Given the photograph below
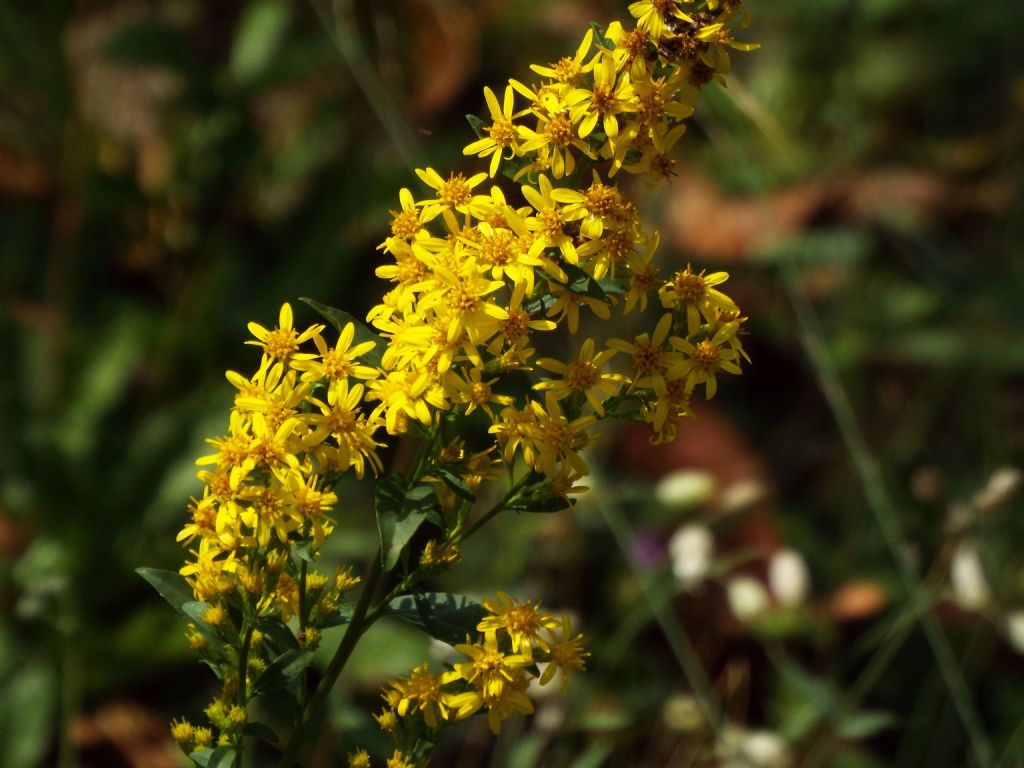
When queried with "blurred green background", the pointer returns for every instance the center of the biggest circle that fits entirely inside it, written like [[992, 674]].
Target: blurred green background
[[171, 170]]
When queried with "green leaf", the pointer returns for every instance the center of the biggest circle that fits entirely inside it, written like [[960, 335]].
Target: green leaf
[[477, 124], [279, 633], [259, 36], [537, 497], [172, 587], [339, 619], [339, 318], [284, 671], [400, 513], [221, 757], [861, 725], [582, 283], [599, 37], [539, 504], [260, 731], [442, 615], [456, 483], [194, 612], [28, 714]]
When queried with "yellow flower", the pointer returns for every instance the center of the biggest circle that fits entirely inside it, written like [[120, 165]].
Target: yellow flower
[[182, 732], [406, 222], [284, 341], [340, 362], [555, 136], [397, 760], [460, 293], [469, 387], [582, 375], [643, 276], [557, 440], [359, 759], [522, 621], [505, 254], [567, 306], [341, 418], [514, 331], [697, 294], [420, 692], [703, 360], [498, 682], [405, 395], [455, 193], [647, 351], [501, 133], [567, 70], [651, 15], [567, 654], [610, 95]]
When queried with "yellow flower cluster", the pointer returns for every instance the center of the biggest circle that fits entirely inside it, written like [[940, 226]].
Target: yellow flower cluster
[[478, 274], [519, 643]]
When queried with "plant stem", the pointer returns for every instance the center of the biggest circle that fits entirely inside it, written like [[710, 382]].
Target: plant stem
[[675, 634], [884, 512], [361, 621], [303, 610], [516, 487]]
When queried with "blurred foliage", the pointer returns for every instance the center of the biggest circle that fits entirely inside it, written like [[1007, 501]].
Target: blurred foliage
[[169, 171]]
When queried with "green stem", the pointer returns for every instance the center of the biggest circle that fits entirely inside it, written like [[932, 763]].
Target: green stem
[[885, 514], [243, 664], [497, 508], [673, 631], [361, 621], [303, 616], [70, 688]]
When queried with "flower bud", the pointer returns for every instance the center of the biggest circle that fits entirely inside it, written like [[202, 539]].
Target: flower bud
[[684, 489], [691, 549], [1015, 629], [967, 574], [747, 597], [788, 578]]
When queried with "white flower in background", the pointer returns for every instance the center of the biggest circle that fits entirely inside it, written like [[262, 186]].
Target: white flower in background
[[684, 489], [1002, 485], [740, 748], [967, 574], [682, 713], [742, 495], [1015, 629], [747, 597], [691, 550], [788, 578]]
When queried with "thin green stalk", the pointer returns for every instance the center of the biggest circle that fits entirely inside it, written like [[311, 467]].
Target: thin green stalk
[[496, 509], [70, 695], [884, 512], [678, 640], [303, 615], [334, 14], [357, 627], [869, 676], [243, 663]]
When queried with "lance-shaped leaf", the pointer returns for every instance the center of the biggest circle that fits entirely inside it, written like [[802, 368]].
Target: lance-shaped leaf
[[442, 615], [582, 283], [279, 633], [401, 510], [260, 731], [283, 672], [221, 757], [456, 482], [339, 318], [172, 587]]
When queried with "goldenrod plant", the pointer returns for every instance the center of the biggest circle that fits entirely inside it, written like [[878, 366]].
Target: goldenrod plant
[[478, 274]]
